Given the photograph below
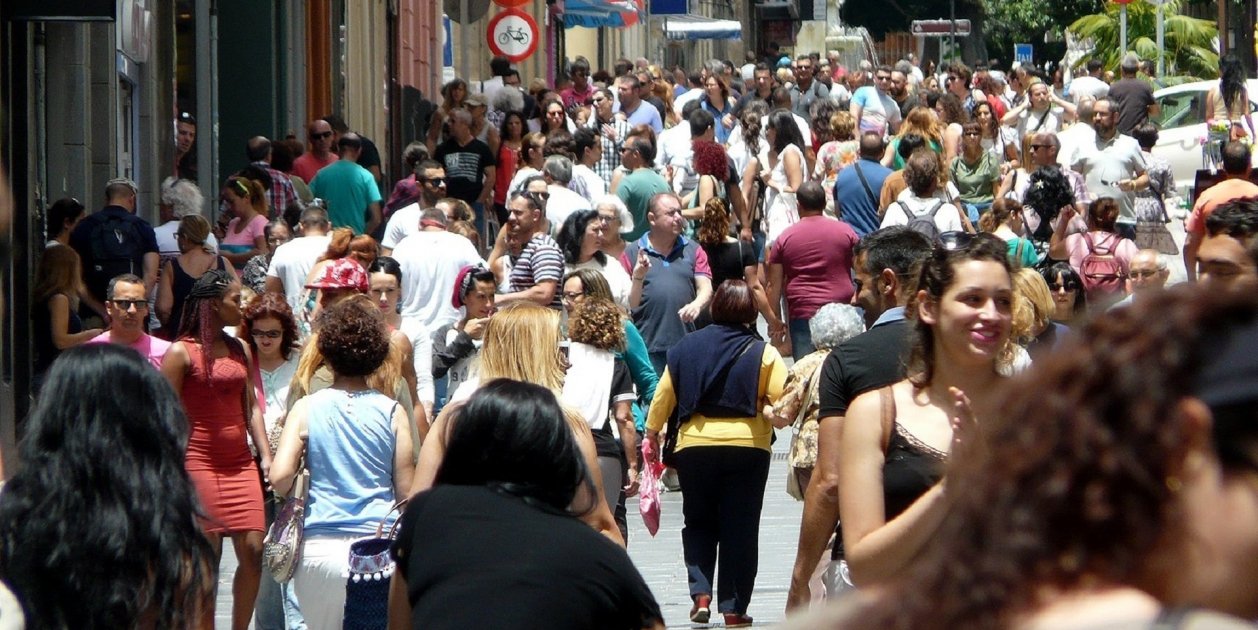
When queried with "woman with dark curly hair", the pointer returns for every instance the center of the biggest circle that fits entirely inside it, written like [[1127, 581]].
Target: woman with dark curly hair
[[1070, 305], [730, 259], [128, 549], [271, 332], [210, 371], [1115, 490], [953, 117], [708, 421], [896, 440], [581, 239], [356, 443], [1103, 285], [599, 382], [994, 137]]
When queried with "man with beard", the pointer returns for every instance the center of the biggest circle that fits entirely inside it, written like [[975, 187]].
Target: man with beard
[[900, 93], [536, 274], [1113, 166]]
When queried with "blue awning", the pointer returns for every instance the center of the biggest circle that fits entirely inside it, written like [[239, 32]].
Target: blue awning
[[599, 13], [692, 27]]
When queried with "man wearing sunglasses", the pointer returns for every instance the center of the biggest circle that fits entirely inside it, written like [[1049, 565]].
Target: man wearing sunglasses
[[320, 153], [431, 177], [128, 309], [872, 105]]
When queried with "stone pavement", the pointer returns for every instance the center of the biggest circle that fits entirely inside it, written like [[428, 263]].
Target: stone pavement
[[660, 560]]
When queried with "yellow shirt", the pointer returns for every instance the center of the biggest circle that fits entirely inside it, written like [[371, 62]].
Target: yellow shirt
[[755, 432]]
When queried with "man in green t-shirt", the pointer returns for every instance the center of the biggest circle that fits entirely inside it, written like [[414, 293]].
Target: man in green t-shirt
[[642, 183], [350, 191]]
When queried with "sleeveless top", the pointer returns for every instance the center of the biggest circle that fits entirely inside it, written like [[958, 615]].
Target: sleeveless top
[[181, 286], [349, 453], [46, 350], [910, 469], [1221, 112]]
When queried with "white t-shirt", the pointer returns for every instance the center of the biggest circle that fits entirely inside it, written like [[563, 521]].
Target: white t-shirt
[[595, 187], [562, 203], [947, 219], [617, 278], [166, 244], [403, 223], [430, 262], [677, 150], [1087, 86], [421, 341], [293, 261], [521, 176]]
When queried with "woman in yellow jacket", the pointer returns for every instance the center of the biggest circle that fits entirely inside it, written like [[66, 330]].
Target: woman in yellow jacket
[[708, 406]]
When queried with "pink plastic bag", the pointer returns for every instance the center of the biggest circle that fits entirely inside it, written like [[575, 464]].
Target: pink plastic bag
[[649, 488]]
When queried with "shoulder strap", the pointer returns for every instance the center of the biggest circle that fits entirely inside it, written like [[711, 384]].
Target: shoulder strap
[[935, 208], [908, 214], [865, 183], [1017, 252], [887, 397]]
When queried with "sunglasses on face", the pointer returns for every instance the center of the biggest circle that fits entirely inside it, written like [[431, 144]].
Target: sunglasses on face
[[1058, 286], [267, 334], [127, 305], [1036, 147], [435, 181]]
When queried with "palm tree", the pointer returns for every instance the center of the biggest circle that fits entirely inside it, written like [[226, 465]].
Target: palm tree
[[1190, 42]]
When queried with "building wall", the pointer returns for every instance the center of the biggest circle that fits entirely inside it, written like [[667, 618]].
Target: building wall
[[366, 73]]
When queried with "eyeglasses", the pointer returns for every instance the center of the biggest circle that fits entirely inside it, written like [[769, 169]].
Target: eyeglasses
[[598, 100], [320, 136], [1139, 274], [1036, 147], [435, 181], [276, 240], [882, 77], [267, 334], [607, 218], [952, 241], [127, 305]]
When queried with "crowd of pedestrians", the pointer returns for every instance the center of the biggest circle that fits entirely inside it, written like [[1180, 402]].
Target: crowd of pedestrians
[[1001, 416]]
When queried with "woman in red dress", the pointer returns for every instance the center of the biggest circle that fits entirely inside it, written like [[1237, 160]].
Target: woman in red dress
[[208, 370]]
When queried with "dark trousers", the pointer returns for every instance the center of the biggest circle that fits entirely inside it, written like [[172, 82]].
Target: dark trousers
[[722, 490]]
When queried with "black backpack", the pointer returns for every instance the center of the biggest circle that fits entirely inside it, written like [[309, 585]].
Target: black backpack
[[116, 245], [923, 223]]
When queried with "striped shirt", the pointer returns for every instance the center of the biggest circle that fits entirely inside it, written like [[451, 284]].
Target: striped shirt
[[282, 196], [540, 261]]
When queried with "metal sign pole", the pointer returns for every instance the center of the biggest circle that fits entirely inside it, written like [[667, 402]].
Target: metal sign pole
[[1122, 28]]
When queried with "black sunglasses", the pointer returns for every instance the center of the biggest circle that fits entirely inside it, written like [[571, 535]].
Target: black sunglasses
[[127, 304], [435, 181]]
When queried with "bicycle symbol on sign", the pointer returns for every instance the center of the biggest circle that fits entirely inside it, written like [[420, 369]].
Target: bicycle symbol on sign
[[518, 35]]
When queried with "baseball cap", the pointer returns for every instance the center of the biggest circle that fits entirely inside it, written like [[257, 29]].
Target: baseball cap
[[342, 273]]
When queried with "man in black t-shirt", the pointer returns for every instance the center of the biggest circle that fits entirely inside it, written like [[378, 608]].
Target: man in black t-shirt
[[1132, 96], [885, 262], [469, 165]]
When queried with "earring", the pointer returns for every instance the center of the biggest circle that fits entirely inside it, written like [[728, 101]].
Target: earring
[[1174, 484]]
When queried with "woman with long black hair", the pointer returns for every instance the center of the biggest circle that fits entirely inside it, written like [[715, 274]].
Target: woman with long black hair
[[785, 171], [511, 474], [1229, 100], [125, 550]]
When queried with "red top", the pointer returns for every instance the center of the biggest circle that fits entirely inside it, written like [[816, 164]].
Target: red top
[[816, 257]]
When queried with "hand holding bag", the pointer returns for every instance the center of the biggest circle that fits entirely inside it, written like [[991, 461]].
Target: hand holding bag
[[371, 566], [281, 549], [649, 488]]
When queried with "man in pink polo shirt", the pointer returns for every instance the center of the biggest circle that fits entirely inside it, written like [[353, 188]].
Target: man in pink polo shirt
[[1235, 185], [127, 308]]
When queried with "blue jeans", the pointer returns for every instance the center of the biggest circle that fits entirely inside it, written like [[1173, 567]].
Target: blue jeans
[[976, 211], [801, 338]]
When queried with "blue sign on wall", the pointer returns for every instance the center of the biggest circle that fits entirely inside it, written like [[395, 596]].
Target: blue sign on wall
[[670, 7], [447, 51], [1023, 53]]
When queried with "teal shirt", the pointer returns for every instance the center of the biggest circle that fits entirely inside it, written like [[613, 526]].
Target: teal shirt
[[1022, 253], [348, 190], [636, 190], [642, 372]]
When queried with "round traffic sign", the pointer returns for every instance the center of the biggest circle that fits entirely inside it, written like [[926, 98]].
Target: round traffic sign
[[513, 34]]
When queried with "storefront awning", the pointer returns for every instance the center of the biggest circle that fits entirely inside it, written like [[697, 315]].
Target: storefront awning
[[692, 27], [600, 13]]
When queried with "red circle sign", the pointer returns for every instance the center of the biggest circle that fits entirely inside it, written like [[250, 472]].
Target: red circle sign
[[513, 34]]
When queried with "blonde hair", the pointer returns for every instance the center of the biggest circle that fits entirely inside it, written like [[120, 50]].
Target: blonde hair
[[59, 271], [522, 344], [194, 229], [1032, 304]]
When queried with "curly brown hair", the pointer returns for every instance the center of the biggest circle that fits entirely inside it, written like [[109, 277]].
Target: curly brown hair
[[271, 305], [715, 223], [1071, 488], [353, 338], [599, 323]]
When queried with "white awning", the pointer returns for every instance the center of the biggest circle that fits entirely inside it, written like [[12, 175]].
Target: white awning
[[689, 27]]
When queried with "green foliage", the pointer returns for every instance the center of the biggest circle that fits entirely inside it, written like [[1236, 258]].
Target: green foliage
[[1189, 41], [1009, 22]]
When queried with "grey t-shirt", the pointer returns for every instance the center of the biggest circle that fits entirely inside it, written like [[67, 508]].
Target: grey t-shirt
[[1104, 163]]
